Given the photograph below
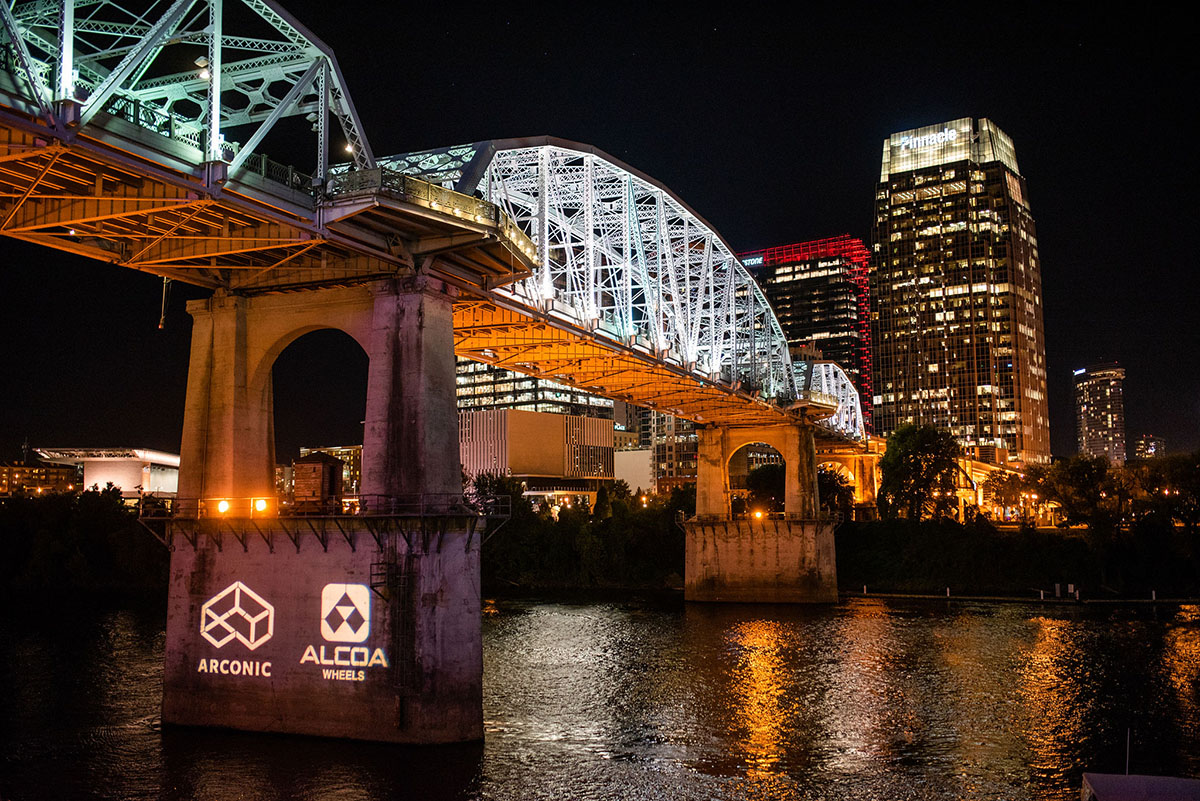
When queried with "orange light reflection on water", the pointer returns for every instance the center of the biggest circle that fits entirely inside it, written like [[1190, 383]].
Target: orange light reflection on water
[[1181, 662], [1050, 690], [758, 685]]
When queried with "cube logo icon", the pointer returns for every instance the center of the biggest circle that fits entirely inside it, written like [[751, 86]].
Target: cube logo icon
[[237, 613], [345, 612]]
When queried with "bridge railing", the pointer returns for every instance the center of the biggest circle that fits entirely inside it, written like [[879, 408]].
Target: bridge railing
[[269, 507], [438, 198]]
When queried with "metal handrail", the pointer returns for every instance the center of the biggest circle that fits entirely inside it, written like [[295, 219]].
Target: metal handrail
[[439, 198], [267, 507]]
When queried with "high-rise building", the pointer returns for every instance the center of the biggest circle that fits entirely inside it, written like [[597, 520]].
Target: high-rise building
[[1148, 446], [819, 291], [676, 448], [956, 291], [484, 386], [1100, 411]]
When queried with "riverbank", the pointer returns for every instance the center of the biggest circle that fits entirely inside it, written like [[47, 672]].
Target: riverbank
[[86, 543], [91, 543], [924, 558], [1049, 600]]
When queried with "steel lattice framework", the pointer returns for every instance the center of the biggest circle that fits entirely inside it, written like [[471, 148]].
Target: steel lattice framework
[[828, 378], [623, 256], [125, 60], [117, 122]]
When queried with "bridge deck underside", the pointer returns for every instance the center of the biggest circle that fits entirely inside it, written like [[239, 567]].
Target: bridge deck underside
[[105, 203], [525, 343]]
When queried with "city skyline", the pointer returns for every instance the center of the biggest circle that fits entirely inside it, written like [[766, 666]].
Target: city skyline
[[760, 130]]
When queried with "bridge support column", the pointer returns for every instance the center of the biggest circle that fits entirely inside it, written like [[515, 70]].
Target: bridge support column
[[410, 443], [788, 560], [228, 448], [364, 626], [865, 484]]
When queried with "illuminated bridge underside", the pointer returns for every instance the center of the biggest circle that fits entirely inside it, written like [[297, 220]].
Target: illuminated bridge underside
[[486, 333], [108, 150], [91, 198]]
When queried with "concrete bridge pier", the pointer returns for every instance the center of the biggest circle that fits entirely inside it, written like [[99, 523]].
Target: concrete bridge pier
[[769, 560], [364, 626]]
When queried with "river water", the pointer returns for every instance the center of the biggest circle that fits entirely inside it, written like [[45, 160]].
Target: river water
[[652, 698]]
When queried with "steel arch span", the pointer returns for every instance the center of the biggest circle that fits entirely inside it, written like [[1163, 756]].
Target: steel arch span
[[828, 378], [623, 256]]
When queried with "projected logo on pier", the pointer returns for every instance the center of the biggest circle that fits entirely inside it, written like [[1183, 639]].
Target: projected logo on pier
[[237, 613], [345, 612], [345, 617]]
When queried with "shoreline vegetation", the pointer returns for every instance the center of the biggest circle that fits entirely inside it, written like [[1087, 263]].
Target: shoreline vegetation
[[91, 543]]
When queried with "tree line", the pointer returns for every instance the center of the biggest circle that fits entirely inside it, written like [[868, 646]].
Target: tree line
[[920, 469], [81, 541]]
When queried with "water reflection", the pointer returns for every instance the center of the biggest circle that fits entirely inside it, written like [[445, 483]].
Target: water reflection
[[1181, 663], [858, 699], [759, 679], [1050, 688], [219, 765], [651, 698]]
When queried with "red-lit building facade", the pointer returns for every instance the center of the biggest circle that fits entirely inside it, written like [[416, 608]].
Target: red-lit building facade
[[820, 293]]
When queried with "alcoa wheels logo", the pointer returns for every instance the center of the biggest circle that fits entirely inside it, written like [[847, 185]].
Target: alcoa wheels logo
[[237, 612], [345, 612], [345, 618]]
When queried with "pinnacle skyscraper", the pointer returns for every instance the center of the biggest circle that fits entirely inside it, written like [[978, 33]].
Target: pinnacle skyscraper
[[956, 292]]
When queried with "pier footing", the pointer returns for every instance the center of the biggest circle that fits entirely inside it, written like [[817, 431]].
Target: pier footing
[[760, 561], [366, 629]]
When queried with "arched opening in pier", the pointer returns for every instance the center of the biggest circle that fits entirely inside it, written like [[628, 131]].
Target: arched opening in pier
[[319, 398], [836, 488], [756, 480]]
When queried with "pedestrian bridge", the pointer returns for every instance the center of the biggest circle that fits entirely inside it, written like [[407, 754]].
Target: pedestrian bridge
[[145, 144]]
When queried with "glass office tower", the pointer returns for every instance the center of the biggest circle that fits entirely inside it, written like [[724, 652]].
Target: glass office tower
[[819, 292], [956, 292]]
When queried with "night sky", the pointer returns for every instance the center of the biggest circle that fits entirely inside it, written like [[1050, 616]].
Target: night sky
[[770, 125]]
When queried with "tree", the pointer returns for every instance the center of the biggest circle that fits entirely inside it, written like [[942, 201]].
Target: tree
[[1086, 491], [682, 499], [918, 473], [766, 486], [1169, 488], [487, 488], [603, 508], [835, 492], [1024, 492]]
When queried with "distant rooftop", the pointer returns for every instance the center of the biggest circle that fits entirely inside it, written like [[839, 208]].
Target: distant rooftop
[[108, 454]]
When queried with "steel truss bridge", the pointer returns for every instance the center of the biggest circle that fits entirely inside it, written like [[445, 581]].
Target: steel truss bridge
[[136, 136]]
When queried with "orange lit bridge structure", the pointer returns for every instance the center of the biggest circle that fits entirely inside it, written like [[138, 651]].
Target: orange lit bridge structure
[[139, 137]]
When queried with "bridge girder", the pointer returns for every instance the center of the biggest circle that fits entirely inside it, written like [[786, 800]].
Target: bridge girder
[[85, 196], [79, 59], [540, 345]]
